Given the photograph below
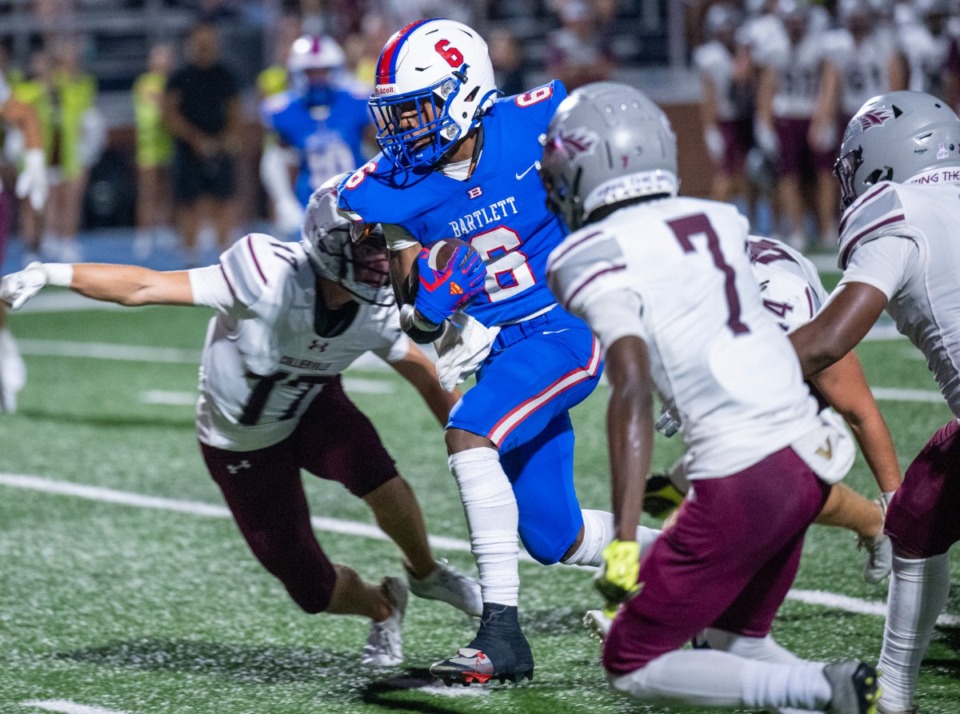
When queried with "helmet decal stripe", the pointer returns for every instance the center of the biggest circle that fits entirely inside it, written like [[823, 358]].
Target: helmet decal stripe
[[387, 64]]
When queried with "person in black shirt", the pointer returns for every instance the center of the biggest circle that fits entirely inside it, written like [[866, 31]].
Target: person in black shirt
[[201, 108]]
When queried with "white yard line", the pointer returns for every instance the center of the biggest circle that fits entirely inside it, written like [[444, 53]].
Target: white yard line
[[137, 353], [65, 707], [892, 394], [356, 385], [106, 495]]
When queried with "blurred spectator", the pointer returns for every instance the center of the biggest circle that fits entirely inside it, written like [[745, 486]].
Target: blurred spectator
[[319, 123], [79, 137], [34, 88], [925, 45], [273, 79], [866, 63], [154, 151], [796, 123], [577, 52], [726, 108], [201, 108], [507, 59], [32, 185], [376, 31]]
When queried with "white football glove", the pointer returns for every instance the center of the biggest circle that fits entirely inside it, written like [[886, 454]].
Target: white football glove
[[32, 181], [766, 139], [714, 141], [17, 288], [462, 349]]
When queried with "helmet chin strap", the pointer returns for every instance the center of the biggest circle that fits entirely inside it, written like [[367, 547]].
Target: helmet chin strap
[[477, 135]]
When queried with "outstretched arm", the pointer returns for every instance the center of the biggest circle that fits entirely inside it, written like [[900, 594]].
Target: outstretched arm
[[123, 284], [417, 369], [845, 387]]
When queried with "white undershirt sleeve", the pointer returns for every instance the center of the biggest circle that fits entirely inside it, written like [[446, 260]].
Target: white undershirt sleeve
[[398, 237], [210, 287], [886, 263], [615, 314]]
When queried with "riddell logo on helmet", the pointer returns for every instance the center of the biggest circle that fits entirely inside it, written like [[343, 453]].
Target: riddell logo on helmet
[[381, 89], [875, 117]]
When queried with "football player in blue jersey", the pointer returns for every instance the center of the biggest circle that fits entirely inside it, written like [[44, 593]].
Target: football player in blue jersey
[[460, 162], [318, 124]]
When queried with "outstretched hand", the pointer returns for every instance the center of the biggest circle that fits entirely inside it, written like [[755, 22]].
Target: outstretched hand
[[17, 288]]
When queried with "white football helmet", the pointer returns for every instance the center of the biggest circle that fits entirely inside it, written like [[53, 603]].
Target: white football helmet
[[437, 76], [361, 269], [607, 143], [314, 52]]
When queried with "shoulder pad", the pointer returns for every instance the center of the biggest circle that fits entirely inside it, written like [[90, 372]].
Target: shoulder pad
[[587, 263], [790, 300], [877, 212], [256, 263], [542, 100], [370, 193]]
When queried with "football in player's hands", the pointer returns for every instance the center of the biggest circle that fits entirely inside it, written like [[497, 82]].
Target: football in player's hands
[[444, 277]]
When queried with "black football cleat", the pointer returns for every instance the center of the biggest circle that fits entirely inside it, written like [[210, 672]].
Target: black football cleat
[[661, 497], [499, 651]]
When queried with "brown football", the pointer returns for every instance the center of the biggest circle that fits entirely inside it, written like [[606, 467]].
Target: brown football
[[445, 248]]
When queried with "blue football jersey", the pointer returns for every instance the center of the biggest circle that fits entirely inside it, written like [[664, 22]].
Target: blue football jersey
[[328, 137], [500, 210]]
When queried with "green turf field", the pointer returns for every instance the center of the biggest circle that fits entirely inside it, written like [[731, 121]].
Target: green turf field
[[133, 597]]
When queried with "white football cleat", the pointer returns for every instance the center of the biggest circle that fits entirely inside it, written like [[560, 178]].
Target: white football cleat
[[13, 372], [384, 646], [597, 623], [449, 585]]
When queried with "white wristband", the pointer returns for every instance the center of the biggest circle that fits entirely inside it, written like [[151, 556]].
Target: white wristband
[[59, 274]]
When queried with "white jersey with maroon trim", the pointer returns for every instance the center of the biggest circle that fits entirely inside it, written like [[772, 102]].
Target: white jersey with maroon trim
[[792, 294], [685, 286], [799, 69], [714, 60], [864, 69], [790, 286], [263, 362], [925, 56], [903, 240]]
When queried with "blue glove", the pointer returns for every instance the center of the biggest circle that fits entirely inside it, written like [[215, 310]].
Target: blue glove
[[443, 291]]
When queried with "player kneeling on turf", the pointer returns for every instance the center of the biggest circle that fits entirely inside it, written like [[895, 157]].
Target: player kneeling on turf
[[291, 317], [667, 287]]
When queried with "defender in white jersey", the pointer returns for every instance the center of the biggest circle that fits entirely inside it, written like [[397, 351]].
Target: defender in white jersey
[[665, 283], [899, 171], [32, 183], [291, 317], [792, 293]]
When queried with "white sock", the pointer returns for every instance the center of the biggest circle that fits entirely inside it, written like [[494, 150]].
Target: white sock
[[709, 678], [764, 649], [598, 533], [918, 593], [493, 519]]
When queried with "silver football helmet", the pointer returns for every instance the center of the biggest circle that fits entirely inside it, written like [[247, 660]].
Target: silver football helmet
[[895, 137], [607, 143], [326, 236]]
